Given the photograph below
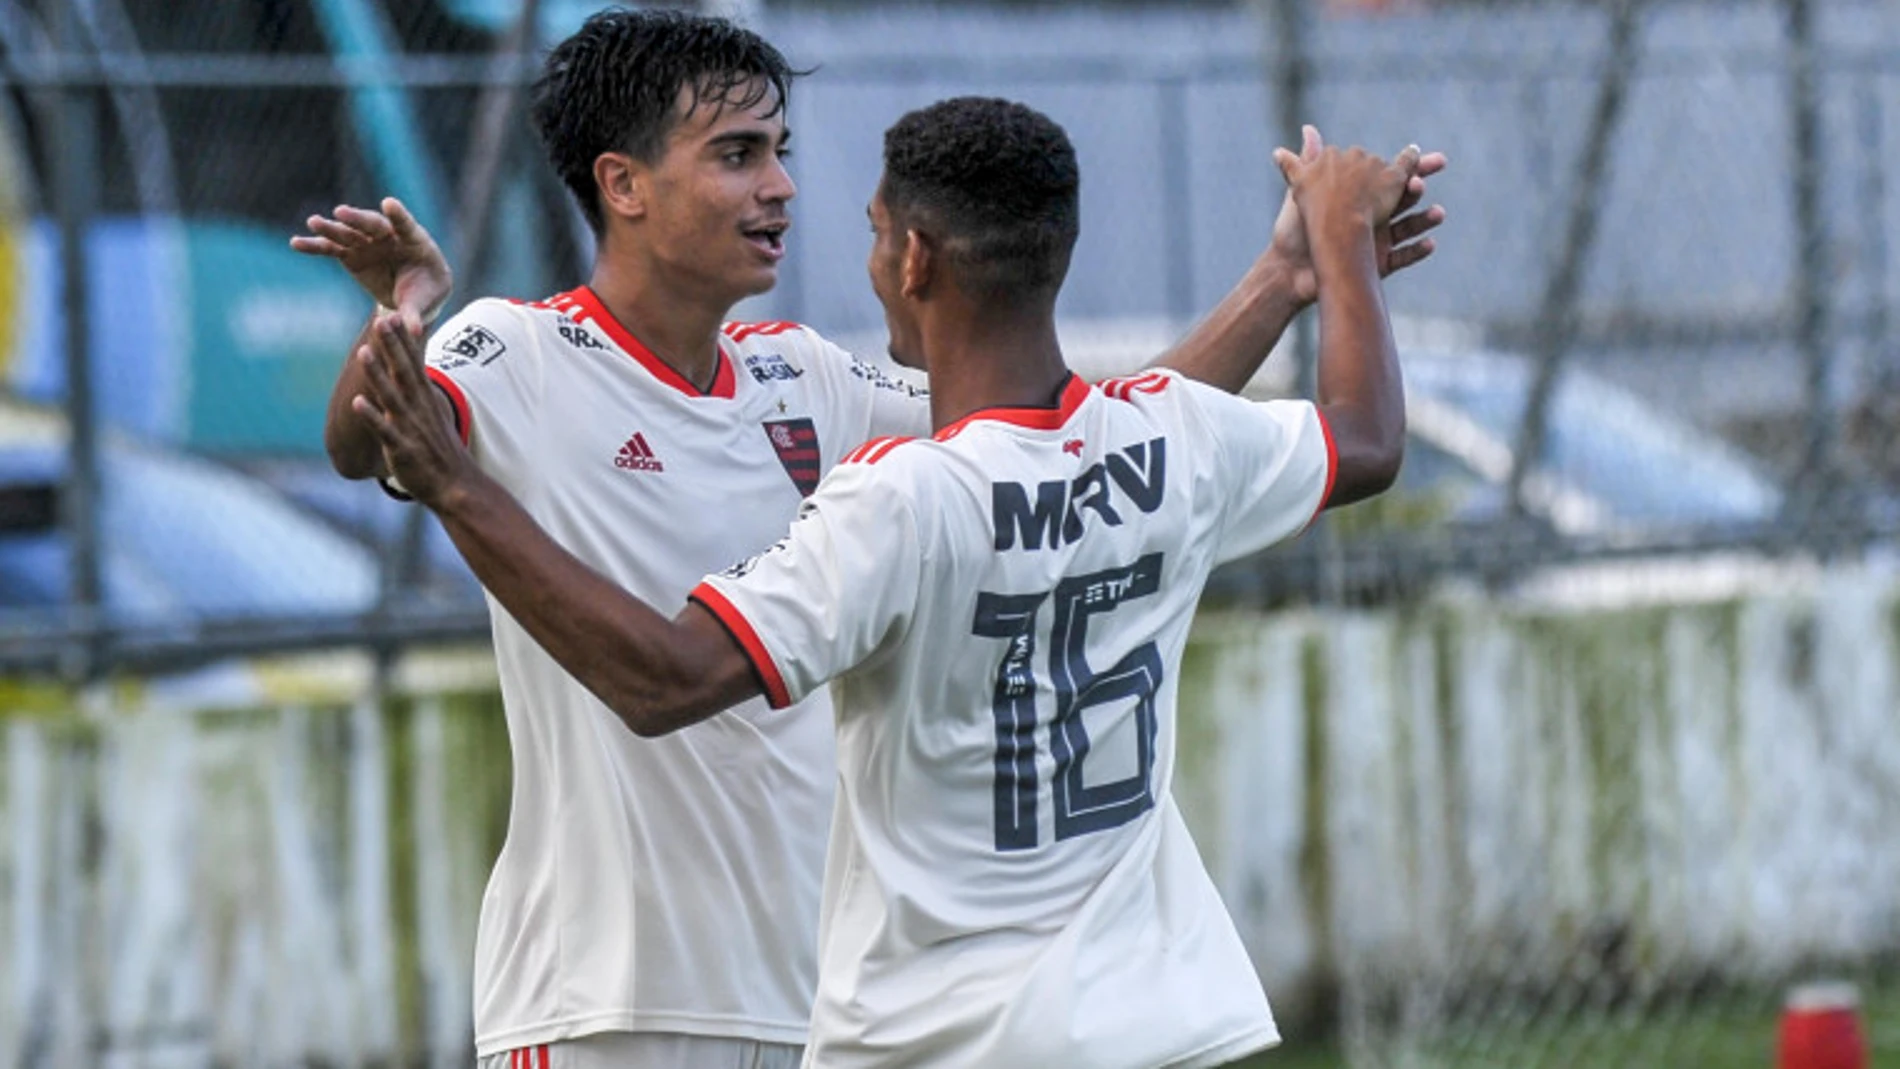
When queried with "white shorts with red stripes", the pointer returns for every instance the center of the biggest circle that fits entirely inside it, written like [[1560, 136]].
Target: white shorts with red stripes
[[648, 1050]]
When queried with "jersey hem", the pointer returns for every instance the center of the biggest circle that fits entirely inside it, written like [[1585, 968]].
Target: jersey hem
[[1228, 1050], [458, 402], [1332, 464], [691, 1024]]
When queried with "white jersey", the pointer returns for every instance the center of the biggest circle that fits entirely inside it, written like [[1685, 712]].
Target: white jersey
[[1004, 607], [664, 884]]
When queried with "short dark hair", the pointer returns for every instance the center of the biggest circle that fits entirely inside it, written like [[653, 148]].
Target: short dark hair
[[999, 181], [614, 84]]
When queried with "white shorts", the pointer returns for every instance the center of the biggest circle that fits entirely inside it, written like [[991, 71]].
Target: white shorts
[[649, 1050]]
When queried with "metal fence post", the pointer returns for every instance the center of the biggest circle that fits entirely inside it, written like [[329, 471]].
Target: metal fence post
[[1290, 61], [1556, 323], [73, 134], [1815, 487]]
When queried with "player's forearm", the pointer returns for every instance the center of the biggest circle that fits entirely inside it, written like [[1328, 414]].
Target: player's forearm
[[1360, 389], [351, 443], [1225, 349], [654, 673]]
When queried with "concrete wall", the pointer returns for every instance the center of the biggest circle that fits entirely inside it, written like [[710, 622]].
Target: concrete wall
[[1411, 801]]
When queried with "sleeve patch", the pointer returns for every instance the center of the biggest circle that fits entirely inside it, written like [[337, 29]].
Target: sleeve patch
[[458, 402], [473, 344]]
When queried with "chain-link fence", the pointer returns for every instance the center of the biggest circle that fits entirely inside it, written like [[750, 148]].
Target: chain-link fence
[[1652, 406], [1656, 325]]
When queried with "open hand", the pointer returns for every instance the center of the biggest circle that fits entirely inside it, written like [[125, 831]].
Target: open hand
[[1400, 241], [388, 253]]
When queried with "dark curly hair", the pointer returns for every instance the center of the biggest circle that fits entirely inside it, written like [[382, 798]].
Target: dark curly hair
[[613, 87], [998, 182]]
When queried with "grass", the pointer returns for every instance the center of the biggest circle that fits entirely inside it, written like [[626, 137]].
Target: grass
[[1736, 1032], [1305, 1056]]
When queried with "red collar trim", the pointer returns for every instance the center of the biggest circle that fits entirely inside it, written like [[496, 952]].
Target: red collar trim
[[1074, 392], [589, 306]]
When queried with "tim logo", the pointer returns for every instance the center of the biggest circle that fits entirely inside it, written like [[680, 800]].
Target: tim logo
[[637, 455], [475, 344], [796, 443], [767, 367]]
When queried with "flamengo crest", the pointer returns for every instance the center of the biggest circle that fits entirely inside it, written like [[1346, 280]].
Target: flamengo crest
[[796, 443]]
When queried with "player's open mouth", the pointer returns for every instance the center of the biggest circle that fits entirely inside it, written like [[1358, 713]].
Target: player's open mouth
[[770, 238]]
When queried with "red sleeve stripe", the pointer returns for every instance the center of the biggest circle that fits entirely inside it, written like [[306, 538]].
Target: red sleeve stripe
[[741, 631], [458, 401], [858, 454], [742, 331], [1332, 464], [874, 450], [1150, 382], [883, 450]]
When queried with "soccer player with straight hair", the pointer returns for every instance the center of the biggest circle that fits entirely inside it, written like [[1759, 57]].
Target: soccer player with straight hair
[[1000, 608]]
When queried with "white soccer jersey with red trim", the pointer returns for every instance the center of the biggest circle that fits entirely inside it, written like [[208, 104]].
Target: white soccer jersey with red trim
[[1004, 608], [653, 884]]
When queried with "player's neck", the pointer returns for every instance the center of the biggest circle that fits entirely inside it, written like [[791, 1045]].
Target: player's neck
[[992, 360], [680, 331]]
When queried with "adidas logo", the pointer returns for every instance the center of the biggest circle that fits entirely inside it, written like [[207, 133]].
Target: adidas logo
[[636, 455]]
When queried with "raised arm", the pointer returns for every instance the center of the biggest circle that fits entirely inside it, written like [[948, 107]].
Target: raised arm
[[1225, 349], [656, 674], [1346, 197], [397, 263]]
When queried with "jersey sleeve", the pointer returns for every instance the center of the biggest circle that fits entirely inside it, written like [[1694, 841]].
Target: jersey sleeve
[[484, 361], [868, 401], [1275, 464], [841, 586]]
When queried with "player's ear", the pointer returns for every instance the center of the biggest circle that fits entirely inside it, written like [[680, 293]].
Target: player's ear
[[622, 183], [922, 260]]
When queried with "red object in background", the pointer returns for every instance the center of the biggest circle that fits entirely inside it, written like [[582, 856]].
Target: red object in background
[[1820, 1029]]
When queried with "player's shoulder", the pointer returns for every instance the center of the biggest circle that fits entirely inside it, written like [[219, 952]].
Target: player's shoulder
[[920, 470], [898, 465], [775, 351], [870, 481], [740, 332], [1145, 384], [769, 349], [1159, 395], [512, 309], [490, 328], [507, 315], [784, 340], [876, 450], [1167, 395], [572, 319], [485, 330]]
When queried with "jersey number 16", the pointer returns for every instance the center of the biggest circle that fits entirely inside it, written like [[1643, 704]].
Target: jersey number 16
[[1079, 808]]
